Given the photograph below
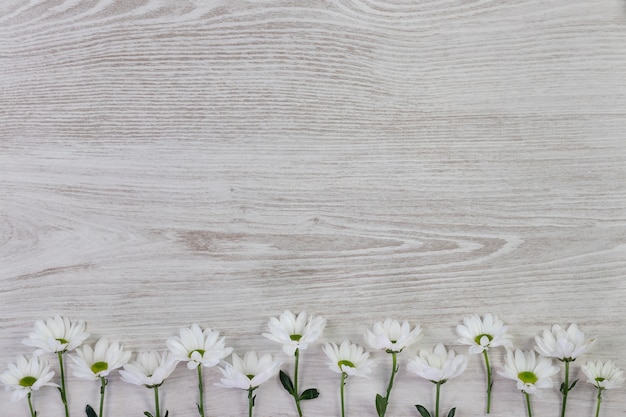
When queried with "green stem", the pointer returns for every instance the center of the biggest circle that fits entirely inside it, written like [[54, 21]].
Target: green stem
[[489, 382], [296, 394], [599, 401], [565, 388], [343, 383], [63, 390], [156, 400], [30, 405], [250, 401], [530, 413], [394, 370], [201, 391], [103, 382], [437, 398]]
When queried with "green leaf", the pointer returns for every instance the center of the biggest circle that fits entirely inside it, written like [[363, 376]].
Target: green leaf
[[573, 385], [451, 413], [423, 411], [562, 389], [167, 413], [381, 405], [90, 412], [309, 394], [147, 414], [287, 384]]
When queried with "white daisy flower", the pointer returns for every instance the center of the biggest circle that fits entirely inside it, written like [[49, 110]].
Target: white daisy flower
[[198, 347], [295, 332], [249, 372], [391, 336], [565, 345], [349, 359], [56, 335], [530, 373], [149, 369], [27, 375], [439, 365], [603, 375], [482, 334], [99, 362]]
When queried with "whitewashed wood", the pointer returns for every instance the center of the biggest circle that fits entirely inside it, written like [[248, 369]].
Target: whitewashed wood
[[167, 162]]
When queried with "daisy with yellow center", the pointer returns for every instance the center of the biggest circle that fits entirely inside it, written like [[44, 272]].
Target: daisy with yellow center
[[25, 376], [603, 375]]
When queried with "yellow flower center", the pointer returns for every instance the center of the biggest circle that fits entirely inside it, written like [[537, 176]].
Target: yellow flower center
[[527, 377], [480, 336], [250, 376], [99, 367], [62, 341], [28, 381], [345, 362], [600, 379], [295, 337], [200, 351]]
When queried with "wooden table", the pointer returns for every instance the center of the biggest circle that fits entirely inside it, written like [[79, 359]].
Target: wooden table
[[164, 162]]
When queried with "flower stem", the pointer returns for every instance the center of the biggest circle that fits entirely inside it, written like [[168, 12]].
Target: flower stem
[[296, 394], [530, 413], [437, 399], [30, 405], [565, 389], [489, 382], [103, 382], [201, 391], [156, 401], [250, 401], [343, 383], [599, 401], [63, 391], [394, 370]]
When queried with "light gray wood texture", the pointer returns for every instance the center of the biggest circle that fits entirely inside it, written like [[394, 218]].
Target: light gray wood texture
[[164, 162]]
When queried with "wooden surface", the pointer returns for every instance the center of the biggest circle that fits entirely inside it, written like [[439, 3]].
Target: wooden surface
[[164, 162]]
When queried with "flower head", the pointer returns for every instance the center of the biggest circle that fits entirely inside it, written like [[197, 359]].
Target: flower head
[[439, 365], [348, 358], [249, 372], [392, 336], [565, 345], [55, 335], [149, 369], [295, 332], [99, 362], [198, 347], [530, 372], [483, 334], [603, 375], [27, 375]]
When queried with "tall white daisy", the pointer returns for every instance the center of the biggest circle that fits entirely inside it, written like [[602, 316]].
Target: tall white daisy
[[565, 345], [603, 375], [481, 335], [295, 333], [199, 348], [150, 369], [348, 359], [392, 337], [530, 373], [248, 373]]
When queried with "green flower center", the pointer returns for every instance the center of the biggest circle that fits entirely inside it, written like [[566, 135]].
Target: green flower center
[[600, 379], [527, 377], [28, 381], [295, 337], [99, 367], [200, 351], [250, 376], [345, 362], [480, 336], [62, 341]]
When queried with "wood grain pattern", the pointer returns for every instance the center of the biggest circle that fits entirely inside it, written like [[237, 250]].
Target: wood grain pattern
[[166, 162]]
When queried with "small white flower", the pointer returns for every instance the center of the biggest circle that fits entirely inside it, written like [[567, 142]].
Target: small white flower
[[565, 345], [55, 335], [99, 362], [250, 372], [348, 358], [438, 366], [603, 375], [483, 334], [198, 347], [149, 369], [27, 375], [392, 336], [295, 332], [530, 372]]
